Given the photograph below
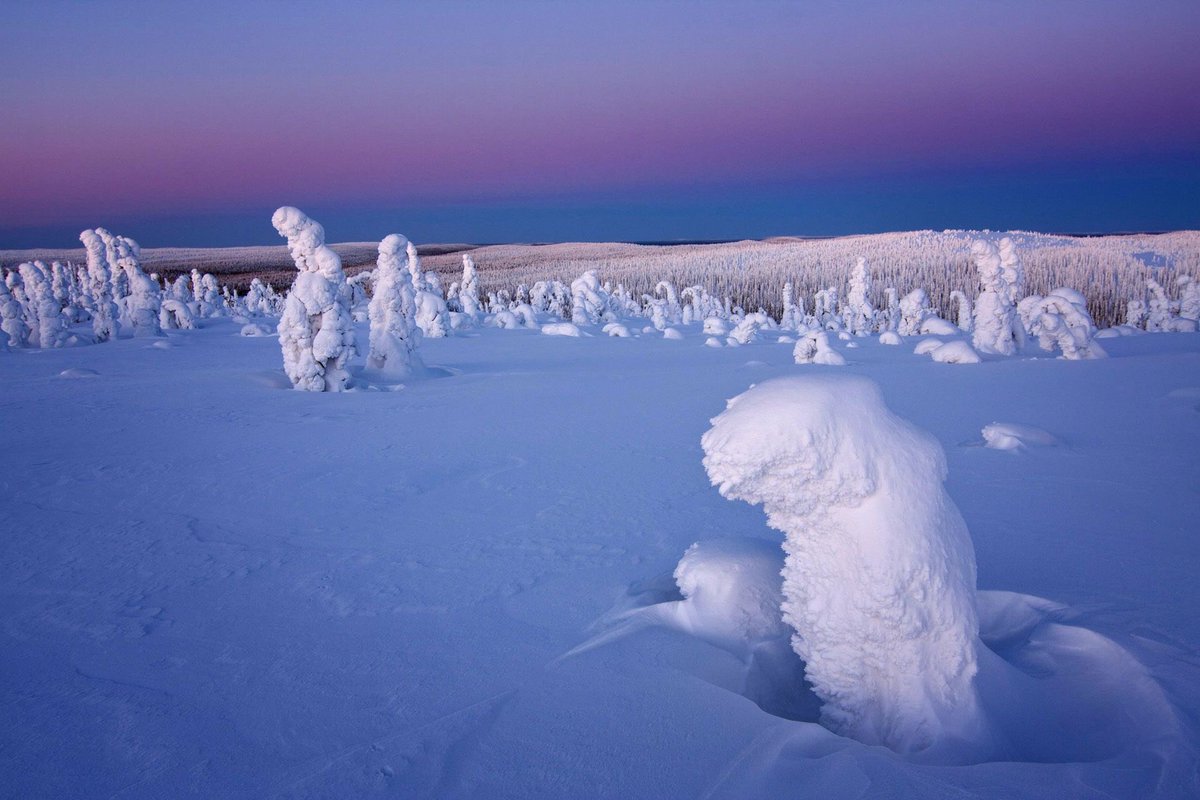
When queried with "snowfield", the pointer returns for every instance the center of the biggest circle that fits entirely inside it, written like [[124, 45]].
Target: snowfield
[[488, 584]]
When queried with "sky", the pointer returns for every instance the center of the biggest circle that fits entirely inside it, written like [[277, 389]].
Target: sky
[[188, 123]]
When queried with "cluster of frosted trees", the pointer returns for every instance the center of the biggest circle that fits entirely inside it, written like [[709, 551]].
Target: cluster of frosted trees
[[56, 305], [1109, 270]]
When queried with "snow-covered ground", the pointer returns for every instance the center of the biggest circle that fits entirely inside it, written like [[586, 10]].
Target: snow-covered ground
[[214, 586]]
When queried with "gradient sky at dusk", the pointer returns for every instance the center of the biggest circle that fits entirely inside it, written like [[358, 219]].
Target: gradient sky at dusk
[[188, 123]]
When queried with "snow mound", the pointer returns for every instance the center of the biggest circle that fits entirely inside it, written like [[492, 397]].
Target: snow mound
[[879, 582], [732, 593], [785, 339], [561, 329], [926, 346], [1011, 436], [890, 338], [617, 329], [713, 341], [673, 334], [78, 372], [936, 326], [955, 353], [253, 329]]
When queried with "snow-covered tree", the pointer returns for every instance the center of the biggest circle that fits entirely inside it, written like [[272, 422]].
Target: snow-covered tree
[[12, 318], [105, 315], [316, 331], [792, 318], [1158, 316], [860, 313], [996, 325], [44, 315], [1189, 298], [144, 300], [966, 315], [914, 310], [879, 575], [393, 312], [1061, 321], [588, 302], [468, 289]]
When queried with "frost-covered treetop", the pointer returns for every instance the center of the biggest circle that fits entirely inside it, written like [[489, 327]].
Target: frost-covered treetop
[[306, 242]]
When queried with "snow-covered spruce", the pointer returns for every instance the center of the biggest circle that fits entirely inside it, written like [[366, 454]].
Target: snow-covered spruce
[[12, 319], [588, 301], [860, 314], [879, 582], [468, 290], [105, 315], [393, 310], [433, 316], [48, 327], [997, 330], [1061, 321], [316, 331]]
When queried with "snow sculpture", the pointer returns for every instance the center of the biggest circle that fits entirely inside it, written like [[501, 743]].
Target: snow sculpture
[[316, 331], [393, 312], [996, 328], [879, 578], [860, 314], [813, 348]]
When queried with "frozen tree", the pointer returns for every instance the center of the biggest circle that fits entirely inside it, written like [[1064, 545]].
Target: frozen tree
[[996, 326], [965, 313], [890, 318], [879, 575], [825, 307], [588, 303], [672, 310], [1158, 316], [1136, 314], [144, 301], [175, 314], [393, 312], [44, 316], [792, 318], [1061, 321], [316, 331], [914, 310], [860, 314], [814, 348], [105, 315], [12, 318], [1189, 298], [468, 290]]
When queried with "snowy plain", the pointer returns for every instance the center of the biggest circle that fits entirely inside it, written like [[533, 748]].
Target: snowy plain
[[214, 586]]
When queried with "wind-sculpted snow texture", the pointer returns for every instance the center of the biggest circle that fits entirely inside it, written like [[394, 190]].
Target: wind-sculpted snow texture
[[879, 582]]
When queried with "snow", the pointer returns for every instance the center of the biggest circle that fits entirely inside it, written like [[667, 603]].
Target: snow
[[958, 352], [879, 581], [217, 587], [1013, 436]]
